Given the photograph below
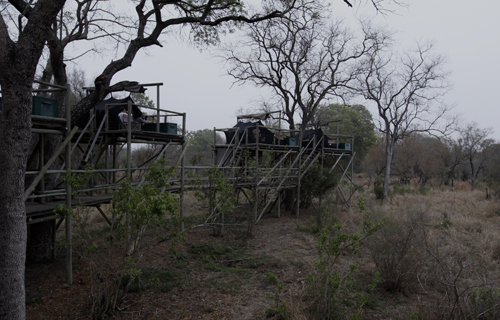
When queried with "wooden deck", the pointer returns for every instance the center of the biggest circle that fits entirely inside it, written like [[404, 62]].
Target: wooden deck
[[143, 136], [37, 212], [283, 148]]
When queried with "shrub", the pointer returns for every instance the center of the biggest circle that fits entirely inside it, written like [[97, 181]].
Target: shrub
[[329, 286], [279, 309], [143, 217], [423, 190], [316, 183], [400, 190], [483, 303], [378, 189], [397, 249], [220, 199]]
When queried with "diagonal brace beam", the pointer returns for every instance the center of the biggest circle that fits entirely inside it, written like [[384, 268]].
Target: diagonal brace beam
[[46, 167]]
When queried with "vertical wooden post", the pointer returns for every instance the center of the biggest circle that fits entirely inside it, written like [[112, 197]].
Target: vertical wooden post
[[129, 141], [41, 162], [106, 155], [352, 178], [214, 150], [182, 167], [129, 159], [113, 177], [69, 248], [158, 108], [322, 173], [299, 163], [114, 164], [106, 160], [256, 137], [279, 204]]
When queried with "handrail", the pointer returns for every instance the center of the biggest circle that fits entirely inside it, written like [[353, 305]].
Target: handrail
[[96, 137], [49, 163], [277, 164]]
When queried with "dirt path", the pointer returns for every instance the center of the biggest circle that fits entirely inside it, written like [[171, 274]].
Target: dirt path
[[202, 285]]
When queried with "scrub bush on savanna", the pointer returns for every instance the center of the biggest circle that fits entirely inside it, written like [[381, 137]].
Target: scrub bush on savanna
[[420, 255], [433, 255]]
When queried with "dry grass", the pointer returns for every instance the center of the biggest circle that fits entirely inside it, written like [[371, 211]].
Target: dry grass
[[457, 257], [460, 250]]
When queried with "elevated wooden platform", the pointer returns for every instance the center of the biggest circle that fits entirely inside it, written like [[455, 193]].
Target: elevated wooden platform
[[38, 212], [138, 136]]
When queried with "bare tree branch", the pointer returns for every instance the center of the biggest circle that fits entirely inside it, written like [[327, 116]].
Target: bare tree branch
[[302, 59], [408, 92]]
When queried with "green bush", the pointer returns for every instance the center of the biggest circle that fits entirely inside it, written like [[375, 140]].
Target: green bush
[[279, 309], [316, 182], [330, 287], [401, 190], [378, 189], [483, 303], [423, 190], [143, 217]]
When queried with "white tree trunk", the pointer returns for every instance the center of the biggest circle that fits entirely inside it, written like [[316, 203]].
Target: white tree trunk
[[389, 149]]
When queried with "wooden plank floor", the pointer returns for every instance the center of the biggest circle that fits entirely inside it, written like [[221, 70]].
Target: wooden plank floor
[[37, 212]]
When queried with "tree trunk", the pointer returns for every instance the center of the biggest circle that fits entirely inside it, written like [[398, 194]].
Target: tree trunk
[[473, 174], [18, 62], [40, 240], [389, 149], [290, 198], [15, 135]]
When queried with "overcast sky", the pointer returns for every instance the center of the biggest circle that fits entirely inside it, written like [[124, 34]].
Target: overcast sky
[[464, 31]]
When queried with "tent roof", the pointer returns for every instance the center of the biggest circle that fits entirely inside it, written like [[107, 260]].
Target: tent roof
[[259, 116], [130, 86], [309, 134], [243, 125], [103, 103]]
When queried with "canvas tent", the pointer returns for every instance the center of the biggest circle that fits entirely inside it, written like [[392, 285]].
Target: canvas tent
[[252, 135], [318, 134], [113, 112]]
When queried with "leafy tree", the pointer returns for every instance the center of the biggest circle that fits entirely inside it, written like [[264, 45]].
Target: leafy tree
[[142, 99], [491, 167], [353, 120], [317, 182], [199, 151]]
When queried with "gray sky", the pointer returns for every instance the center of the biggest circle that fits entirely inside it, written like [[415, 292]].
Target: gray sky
[[464, 31]]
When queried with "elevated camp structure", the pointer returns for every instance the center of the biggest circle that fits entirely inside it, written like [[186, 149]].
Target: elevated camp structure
[[263, 162], [100, 143], [97, 141], [102, 139]]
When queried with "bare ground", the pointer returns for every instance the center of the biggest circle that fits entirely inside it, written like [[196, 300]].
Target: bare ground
[[231, 282], [232, 288]]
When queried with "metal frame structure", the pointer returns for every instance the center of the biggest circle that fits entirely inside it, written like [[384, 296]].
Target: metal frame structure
[[263, 171], [99, 145], [260, 171]]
